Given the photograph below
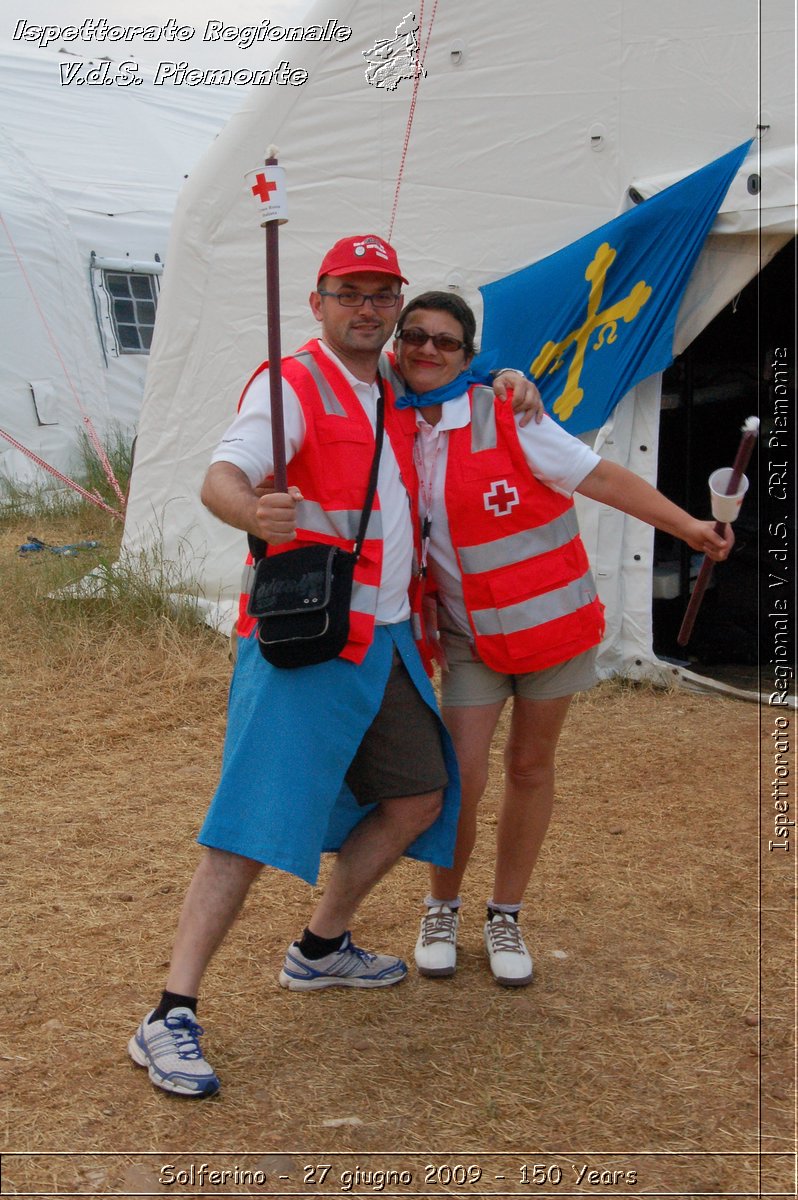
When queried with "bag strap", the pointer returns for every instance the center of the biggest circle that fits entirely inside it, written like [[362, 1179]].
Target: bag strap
[[259, 549], [375, 467]]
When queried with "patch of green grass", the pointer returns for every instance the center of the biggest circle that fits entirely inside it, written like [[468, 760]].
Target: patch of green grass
[[46, 497], [134, 591], [119, 447], [60, 602], [67, 595]]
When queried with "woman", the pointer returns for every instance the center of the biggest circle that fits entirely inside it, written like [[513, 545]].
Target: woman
[[518, 611]]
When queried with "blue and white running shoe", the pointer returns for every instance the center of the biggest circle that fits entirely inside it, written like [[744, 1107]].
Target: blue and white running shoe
[[348, 967], [170, 1051]]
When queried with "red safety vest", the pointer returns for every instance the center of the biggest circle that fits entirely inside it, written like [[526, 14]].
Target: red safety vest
[[529, 592], [332, 470]]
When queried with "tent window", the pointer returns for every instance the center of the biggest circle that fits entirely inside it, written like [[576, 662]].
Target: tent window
[[133, 302]]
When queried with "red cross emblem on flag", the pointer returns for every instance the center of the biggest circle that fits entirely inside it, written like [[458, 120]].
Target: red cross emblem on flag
[[263, 187], [501, 499]]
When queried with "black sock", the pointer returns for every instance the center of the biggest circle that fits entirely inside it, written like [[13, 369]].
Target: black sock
[[314, 947], [170, 1000], [495, 912]]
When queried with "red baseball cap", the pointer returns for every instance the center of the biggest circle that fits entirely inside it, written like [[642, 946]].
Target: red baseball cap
[[364, 253]]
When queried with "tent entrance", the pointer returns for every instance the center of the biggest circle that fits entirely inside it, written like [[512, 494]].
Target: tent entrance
[[724, 375]]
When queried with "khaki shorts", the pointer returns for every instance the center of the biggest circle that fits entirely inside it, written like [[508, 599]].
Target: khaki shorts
[[401, 753], [468, 682]]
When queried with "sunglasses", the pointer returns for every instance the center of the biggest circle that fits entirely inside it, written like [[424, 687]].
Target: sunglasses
[[441, 341]]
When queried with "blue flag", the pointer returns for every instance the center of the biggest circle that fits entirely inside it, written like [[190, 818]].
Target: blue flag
[[590, 321]]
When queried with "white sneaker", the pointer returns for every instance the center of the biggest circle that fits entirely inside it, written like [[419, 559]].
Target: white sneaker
[[348, 967], [436, 948], [170, 1051], [510, 961]]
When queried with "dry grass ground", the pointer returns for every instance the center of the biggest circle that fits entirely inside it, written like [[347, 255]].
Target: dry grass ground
[[659, 1022]]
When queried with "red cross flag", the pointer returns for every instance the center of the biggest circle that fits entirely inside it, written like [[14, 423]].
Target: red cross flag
[[266, 185]]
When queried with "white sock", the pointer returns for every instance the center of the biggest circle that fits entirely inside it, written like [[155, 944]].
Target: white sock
[[431, 902]]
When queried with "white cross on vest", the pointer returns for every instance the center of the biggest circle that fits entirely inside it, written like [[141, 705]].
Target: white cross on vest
[[501, 499]]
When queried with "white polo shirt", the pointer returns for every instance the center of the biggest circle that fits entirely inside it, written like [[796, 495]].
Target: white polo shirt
[[247, 444]]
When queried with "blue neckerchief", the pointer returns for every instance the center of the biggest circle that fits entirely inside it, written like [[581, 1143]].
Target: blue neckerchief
[[439, 395]]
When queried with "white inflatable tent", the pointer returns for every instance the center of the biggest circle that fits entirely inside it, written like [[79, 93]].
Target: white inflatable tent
[[90, 177], [531, 125]]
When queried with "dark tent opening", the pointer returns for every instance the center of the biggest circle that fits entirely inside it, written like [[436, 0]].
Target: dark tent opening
[[723, 377]]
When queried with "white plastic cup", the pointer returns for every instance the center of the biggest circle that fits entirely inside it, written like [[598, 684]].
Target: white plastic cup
[[266, 186], [725, 508]]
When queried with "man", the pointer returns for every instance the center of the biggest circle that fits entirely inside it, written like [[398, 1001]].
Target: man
[[316, 757]]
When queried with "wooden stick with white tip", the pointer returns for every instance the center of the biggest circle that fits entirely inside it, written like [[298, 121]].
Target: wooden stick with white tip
[[266, 186], [744, 450], [274, 344]]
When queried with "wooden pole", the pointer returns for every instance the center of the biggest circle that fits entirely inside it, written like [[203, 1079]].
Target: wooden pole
[[747, 442], [274, 348]]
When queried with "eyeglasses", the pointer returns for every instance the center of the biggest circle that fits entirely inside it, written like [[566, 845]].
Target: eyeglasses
[[441, 341], [358, 299]]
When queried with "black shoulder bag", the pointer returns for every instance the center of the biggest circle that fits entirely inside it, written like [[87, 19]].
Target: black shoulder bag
[[302, 597]]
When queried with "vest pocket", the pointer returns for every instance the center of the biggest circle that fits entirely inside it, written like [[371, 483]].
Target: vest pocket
[[342, 447], [340, 429], [517, 582], [488, 466]]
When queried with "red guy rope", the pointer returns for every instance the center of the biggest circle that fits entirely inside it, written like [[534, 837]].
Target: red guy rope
[[92, 497], [90, 430], [411, 112]]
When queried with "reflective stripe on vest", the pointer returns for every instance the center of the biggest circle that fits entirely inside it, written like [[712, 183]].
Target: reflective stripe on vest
[[364, 598], [538, 611], [332, 405], [390, 376], [338, 522], [519, 546], [483, 420]]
